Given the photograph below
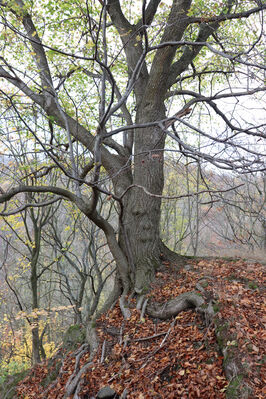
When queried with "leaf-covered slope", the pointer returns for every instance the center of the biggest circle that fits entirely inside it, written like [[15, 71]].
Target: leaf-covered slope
[[186, 357]]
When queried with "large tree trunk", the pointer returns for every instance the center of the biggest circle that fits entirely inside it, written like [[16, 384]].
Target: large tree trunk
[[140, 230]]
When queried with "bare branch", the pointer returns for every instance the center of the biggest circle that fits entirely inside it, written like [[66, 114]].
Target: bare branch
[[32, 205], [172, 197]]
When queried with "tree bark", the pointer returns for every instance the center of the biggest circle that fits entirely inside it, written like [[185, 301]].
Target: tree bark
[[140, 229]]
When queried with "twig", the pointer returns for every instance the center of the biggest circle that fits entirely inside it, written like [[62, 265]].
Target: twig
[[171, 197], [148, 338], [113, 378], [161, 344], [103, 351], [168, 332], [121, 334]]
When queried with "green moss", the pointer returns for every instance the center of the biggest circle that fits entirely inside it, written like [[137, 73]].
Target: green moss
[[75, 335], [232, 391], [216, 307], [220, 332], [252, 285], [74, 327], [236, 389], [144, 290], [199, 294]]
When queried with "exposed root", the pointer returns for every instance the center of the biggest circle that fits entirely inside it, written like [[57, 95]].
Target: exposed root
[[140, 302], [76, 396], [73, 386], [151, 337], [143, 310], [124, 307], [171, 308], [75, 380]]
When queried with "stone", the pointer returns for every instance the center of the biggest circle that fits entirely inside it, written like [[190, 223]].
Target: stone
[[106, 393], [188, 267]]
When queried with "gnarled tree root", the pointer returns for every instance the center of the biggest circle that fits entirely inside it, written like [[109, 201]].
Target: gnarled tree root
[[74, 382], [171, 308]]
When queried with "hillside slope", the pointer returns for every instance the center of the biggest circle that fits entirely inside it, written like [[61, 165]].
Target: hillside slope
[[219, 354]]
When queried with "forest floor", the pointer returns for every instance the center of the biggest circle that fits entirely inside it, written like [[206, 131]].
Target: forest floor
[[177, 358]]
